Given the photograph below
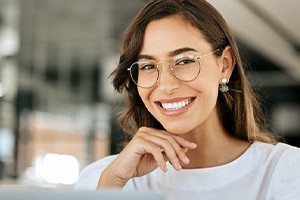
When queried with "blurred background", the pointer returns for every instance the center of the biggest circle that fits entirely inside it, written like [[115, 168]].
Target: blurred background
[[57, 107]]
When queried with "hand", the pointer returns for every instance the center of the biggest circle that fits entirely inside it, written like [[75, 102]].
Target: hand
[[149, 148]]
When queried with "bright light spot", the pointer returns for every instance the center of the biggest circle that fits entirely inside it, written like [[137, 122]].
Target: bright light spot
[[61, 169], [9, 42], [6, 142], [56, 169]]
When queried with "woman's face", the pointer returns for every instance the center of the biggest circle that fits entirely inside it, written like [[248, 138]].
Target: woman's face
[[180, 106]]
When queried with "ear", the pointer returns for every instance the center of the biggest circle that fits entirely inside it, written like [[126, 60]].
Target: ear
[[227, 63]]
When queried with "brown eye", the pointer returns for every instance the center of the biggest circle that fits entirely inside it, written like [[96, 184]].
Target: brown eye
[[147, 67], [185, 62]]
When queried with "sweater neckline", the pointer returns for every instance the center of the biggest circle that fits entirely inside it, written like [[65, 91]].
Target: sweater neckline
[[215, 176]]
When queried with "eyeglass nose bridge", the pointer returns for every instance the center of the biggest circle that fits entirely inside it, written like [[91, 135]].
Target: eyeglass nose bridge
[[170, 67]]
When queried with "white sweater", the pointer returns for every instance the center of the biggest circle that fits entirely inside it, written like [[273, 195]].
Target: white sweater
[[263, 171]]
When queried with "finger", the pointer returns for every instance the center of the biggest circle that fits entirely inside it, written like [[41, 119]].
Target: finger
[[179, 150], [169, 146], [151, 148], [163, 139], [182, 142]]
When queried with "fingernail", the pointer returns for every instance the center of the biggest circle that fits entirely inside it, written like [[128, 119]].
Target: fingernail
[[178, 166], [165, 168], [193, 145], [186, 160]]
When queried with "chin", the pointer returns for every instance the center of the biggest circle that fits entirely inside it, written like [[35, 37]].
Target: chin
[[176, 130]]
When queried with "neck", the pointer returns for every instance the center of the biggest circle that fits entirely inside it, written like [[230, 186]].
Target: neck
[[215, 146]]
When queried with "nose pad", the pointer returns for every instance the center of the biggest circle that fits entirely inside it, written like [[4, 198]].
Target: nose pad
[[167, 80]]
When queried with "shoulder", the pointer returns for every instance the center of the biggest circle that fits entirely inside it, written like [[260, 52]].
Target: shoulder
[[279, 166], [286, 154], [289, 151], [89, 176], [286, 175], [279, 151], [289, 162]]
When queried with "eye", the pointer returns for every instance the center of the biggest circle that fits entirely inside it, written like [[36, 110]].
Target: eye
[[147, 67], [184, 60]]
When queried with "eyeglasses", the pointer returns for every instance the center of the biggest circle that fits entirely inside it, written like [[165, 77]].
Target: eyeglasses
[[185, 67]]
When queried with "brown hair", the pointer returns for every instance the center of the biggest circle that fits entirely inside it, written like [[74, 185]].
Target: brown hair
[[240, 112]]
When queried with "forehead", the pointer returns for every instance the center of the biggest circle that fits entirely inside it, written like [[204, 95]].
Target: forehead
[[168, 34]]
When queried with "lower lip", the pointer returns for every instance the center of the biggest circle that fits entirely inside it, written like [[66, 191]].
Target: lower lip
[[175, 112]]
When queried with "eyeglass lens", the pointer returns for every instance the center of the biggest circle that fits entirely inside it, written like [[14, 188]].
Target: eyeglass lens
[[183, 67]]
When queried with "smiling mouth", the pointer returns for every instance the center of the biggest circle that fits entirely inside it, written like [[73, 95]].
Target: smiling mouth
[[176, 105]]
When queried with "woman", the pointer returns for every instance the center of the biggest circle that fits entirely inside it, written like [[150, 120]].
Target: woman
[[197, 129]]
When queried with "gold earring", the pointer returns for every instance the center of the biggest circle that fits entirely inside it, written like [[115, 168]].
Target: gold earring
[[224, 87]]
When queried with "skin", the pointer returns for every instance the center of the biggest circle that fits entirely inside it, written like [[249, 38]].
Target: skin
[[194, 136]]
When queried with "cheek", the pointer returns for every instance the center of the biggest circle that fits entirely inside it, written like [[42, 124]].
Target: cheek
[[144, 94], [206, 82], [210, 76], [141, 93]]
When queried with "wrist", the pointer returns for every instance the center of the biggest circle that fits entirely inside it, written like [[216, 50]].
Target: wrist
[[110, 180]]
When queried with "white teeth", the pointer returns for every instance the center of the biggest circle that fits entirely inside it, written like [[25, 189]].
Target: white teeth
[[176, 105]]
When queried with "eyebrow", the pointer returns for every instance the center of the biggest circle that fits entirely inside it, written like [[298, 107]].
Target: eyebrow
[[171, 54]]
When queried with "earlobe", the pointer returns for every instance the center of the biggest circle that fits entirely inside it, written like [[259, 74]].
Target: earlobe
[[227, 62]]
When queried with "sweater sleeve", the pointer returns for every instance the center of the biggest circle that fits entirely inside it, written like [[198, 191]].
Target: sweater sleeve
[[89, 176], [289, 178]]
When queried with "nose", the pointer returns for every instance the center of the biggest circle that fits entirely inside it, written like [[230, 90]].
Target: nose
[[167, 81]]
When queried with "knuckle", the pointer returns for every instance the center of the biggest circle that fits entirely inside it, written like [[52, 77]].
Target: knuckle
[[168, 137], [143, 129], [172, 140], [157, 149], [138, 139]]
